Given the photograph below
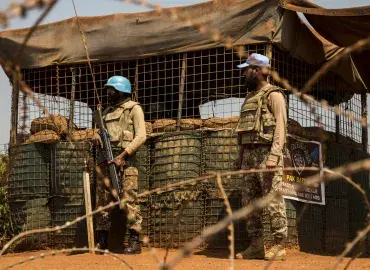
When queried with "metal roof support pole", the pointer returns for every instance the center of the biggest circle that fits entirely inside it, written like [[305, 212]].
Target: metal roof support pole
[[181, 92], [364, 116]]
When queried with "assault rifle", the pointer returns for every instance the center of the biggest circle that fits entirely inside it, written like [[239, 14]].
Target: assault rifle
[[106, 152]]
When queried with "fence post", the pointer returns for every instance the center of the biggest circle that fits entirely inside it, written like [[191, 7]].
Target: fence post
[[364, 116]]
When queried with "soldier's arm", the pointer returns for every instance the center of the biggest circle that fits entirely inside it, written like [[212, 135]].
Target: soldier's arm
[[140, 130], [277, 106]]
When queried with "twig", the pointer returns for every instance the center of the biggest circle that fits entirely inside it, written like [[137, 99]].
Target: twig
[[20, 10], [231, 225], [356, 186], [351, 245], [57, 228], [83, 37], [351, 260], [53, 253], [141, 195], [152, 251], [325, 67], [30, 32], [222, 224]]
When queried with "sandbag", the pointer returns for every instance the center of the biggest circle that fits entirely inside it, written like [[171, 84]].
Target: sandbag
[[149, 128], [83, 135], [218, 122], [190, 124], [57, 123], [164, 125], [44, 136]]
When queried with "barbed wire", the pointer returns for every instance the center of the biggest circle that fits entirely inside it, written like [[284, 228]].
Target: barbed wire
[[215, 35], [211, 230], [75, 249], [21, 10]]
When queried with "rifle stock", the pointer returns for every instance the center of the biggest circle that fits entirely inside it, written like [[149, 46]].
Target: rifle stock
[[107, 151]]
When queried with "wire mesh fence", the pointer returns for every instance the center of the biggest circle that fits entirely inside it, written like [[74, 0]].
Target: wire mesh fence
[[191, 104]]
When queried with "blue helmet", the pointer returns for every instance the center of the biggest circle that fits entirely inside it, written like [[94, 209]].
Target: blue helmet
[[119, 83]]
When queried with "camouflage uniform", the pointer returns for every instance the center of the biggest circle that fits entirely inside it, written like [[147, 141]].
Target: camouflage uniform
[[260, 141], [126, 127], [261, 184]]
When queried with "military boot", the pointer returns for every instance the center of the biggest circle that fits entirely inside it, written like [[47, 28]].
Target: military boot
[[134, 246], [256, 250], [102, 240], [276, 252]]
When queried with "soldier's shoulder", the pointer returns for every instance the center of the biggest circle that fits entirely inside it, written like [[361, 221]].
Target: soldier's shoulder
[[129, 104]]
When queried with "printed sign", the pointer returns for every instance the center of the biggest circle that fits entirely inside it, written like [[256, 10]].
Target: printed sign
[[300, 154]]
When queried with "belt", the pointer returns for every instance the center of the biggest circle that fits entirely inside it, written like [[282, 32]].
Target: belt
[[256, 145]]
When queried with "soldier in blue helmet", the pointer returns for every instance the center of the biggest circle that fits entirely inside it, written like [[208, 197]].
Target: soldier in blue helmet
[[125, 123]]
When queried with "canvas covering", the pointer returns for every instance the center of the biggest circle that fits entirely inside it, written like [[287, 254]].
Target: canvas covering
[[139, 35]]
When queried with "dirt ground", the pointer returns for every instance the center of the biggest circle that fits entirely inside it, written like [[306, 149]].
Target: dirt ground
[[200, 260]]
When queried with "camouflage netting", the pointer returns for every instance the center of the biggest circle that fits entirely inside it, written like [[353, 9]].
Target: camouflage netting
[[176, 157], [29, 172], [177, 216], [28, 215]]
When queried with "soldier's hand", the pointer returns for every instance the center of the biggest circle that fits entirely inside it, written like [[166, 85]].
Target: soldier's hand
[[97, 140], [119, 161], [270, 164]]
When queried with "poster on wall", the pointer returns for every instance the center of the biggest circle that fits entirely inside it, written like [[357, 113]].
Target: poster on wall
[[299, 154]]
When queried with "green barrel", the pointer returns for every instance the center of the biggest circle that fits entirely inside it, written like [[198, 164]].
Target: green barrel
[[215, 211], [30, 215], [175, 218], [140, 160], [67, 167], [220, 153], [176, 157], [29, 172], [67, 209]]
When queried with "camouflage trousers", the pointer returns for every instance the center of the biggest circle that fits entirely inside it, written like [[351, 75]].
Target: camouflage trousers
[[132, 207], [256, 185]]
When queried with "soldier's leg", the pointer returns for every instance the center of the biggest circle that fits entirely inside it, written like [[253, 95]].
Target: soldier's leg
[[132, 208], [251, 191], [272, 183], [103, 220]]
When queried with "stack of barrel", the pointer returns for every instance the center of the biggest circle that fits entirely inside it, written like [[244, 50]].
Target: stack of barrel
[[67, 192], [28, 191], [175, 217]]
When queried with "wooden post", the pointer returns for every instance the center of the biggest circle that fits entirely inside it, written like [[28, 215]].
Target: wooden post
[[72, 103], [136, 83], [269, 56], [364, 116], [14, 109], [181, 92], [88, 208]]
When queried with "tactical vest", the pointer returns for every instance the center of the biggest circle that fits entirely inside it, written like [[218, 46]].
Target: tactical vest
[[120, 125], [257, 123]]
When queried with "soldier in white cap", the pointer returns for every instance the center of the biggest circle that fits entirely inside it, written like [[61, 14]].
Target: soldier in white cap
[[262, 132]]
